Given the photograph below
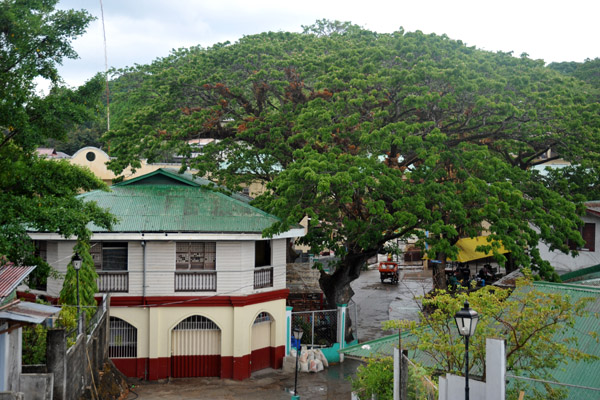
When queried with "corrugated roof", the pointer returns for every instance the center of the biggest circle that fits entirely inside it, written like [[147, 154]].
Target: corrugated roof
[[579, 373], [10, 277], [162, 201], [25, 311], [582, 274]]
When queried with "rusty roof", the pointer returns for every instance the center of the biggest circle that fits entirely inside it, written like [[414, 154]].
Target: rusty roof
[[10, 277], [24, 311]]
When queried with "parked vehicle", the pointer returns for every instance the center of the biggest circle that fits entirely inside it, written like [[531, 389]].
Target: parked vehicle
[[388, 270]]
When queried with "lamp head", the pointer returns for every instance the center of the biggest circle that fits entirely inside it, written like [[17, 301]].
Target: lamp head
[[466, 320], [76, 261], [297, 333]]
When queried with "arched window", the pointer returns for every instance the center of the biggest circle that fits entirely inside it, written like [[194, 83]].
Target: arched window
[[123, 339]]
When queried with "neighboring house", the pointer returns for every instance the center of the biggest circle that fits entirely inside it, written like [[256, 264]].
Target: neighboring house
[[15, 314], [95, 159], [589, 254], [51, 153], [195, 288]]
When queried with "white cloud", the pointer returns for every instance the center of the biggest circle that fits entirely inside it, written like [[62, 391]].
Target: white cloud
[[141, 31]]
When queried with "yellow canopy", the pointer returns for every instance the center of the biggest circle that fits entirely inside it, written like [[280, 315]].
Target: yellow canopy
[[467, 246]]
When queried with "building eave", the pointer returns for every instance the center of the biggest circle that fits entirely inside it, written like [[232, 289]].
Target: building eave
[[173, 236]]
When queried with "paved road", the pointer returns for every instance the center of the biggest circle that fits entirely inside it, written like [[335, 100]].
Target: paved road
[[379, 302], [376, 302], [268, 384]]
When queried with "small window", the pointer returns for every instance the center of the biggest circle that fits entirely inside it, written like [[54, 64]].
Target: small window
[[588, 233], [90, 156], [41, 249], [109, 256], [262, 253], [262, 317], [195, 255]]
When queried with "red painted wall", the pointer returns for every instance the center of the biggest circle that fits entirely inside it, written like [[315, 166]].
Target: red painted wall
[[195, 366], [238, 368]]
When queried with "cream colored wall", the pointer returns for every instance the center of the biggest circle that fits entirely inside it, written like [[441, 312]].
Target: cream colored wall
[[155, 324], [98, 165]]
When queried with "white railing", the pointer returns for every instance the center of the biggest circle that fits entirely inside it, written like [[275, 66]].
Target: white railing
[[263, 277], [196, 281]]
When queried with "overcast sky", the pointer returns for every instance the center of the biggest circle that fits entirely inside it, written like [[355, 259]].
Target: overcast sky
[[139, 31]]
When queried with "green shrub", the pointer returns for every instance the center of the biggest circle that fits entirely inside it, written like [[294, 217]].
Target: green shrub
[[34, 345], [376, 380]]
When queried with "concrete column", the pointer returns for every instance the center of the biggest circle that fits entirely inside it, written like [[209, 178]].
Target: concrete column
[[495, 365], [4, 360], [56, 361], [288, 331], [341, 325]]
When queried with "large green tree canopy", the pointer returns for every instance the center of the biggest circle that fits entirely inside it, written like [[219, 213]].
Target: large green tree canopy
[[35, 193], [373, 136]]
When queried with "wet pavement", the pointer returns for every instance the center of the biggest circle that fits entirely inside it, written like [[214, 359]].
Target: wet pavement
[[269, 384], [376, 302]]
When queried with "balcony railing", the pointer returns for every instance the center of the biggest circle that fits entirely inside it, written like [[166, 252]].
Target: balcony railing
[[113, 282], [263, 277], [196, 281]]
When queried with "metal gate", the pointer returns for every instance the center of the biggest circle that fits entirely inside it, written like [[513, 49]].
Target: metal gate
[[261, 342], [122, 346], [196, 348]]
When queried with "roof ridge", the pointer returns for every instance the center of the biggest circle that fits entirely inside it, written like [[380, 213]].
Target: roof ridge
[[572, 286]]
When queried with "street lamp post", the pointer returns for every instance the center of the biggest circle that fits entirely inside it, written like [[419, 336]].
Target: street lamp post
[[297, 335], [466, 322], [77, 265]]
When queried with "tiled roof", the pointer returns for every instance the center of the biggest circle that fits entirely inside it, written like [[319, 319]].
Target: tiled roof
[[593, 207], [163, 201], [10, 277]]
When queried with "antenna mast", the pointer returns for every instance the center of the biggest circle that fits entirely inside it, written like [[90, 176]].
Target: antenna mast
[[105, 70]]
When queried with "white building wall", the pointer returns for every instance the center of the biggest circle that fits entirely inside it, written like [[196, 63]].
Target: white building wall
[[160, 268], [234, 266], [59, 256], [135, 268], [564, 263], [279, 265]]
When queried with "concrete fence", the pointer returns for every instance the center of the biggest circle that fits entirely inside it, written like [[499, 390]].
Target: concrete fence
[[494, 388], [69, 373]]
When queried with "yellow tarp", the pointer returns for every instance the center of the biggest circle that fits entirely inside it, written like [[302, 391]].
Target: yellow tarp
[[467, 246]]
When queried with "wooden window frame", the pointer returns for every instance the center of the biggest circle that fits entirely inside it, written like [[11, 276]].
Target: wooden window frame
[[98, 249], [201, 258]]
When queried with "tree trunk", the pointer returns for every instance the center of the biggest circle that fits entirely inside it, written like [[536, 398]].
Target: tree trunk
[[336, 286], [439, 272], [510, 264]]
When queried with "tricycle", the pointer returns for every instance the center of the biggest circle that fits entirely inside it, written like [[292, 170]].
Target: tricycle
[[388, 270]]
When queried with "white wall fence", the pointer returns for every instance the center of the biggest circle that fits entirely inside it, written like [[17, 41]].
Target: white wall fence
[[452, 387]]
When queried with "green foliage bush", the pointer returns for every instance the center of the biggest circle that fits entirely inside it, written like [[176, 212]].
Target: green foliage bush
[[376, 379], [34, 345]]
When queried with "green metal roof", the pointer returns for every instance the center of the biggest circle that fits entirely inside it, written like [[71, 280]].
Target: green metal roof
[[579, 373], [582, 274], [163, 201]]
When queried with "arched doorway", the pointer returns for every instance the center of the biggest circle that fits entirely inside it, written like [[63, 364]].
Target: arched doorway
[[122, 347], [195, 348], [262, 349]]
